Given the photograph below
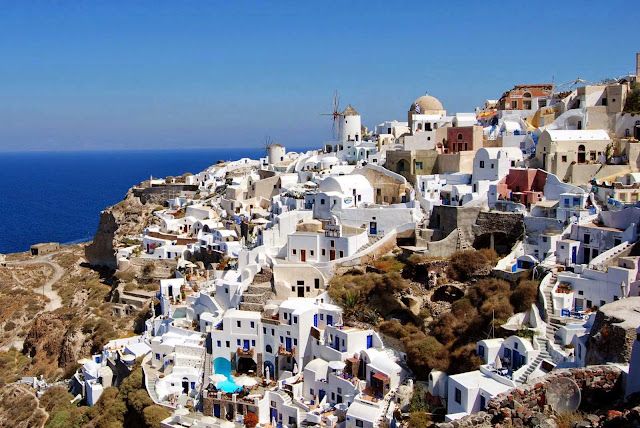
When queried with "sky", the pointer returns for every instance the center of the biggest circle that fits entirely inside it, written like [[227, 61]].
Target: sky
[[87, 75]]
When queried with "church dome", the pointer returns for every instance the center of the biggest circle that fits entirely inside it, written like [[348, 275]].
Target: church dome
[[427, 104]]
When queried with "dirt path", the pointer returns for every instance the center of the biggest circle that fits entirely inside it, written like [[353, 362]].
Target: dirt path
[[55, 301]]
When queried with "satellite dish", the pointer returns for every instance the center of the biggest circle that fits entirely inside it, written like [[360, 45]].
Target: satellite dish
[[563, 395]]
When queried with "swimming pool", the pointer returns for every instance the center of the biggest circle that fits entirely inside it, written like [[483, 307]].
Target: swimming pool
[[223, 366]]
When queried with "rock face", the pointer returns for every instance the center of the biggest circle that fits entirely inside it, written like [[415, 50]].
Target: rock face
[[129, 217], [613, 332]]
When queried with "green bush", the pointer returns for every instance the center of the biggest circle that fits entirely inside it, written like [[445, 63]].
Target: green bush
[[525, 294], [469, 263]]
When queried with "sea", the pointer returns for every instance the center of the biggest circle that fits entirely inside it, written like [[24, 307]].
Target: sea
[[58, 196]]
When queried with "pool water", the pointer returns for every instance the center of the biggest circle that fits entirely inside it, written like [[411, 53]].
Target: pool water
[[223, 366]]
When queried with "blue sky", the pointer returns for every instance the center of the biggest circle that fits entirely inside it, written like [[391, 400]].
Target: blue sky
[[112, 75]]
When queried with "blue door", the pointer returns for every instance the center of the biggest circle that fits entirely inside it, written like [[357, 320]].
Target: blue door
[[245, 344], [273, 414], [515, 363], [483, 402], [216, 410], [315, 320], [321, 395], [369, 341], [288, 343], [373, 228], [337, 343], [329, 319], [573, 254]]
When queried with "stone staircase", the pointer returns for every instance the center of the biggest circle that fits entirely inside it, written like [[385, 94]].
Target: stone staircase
[[255, 296], [553, 322], [372, 240], [285, 397], [151, 389], [543, 355], [461, 243]]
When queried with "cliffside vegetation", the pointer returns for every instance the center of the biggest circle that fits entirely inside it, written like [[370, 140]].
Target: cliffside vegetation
[[446, 340]]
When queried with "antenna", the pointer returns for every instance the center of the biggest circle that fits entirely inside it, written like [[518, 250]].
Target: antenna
[[335, 113]]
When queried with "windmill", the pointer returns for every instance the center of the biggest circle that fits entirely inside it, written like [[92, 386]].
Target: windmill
[[266, 143], [335, 113]]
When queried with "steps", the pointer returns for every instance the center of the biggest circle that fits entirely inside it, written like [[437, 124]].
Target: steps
[[461, 243], [151, 389], [543, 355], [255, 296], [372, 240]]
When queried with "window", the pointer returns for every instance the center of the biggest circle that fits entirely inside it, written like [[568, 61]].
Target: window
[[322, 201], [481, 350], [418, 165], [273, 332], [333, 243], [359, 423], [604, 101], [253, 324], [492, 165], [228, 344], [481, 164], [158, 355], [459, 137], [295, 342], [592, 156], [238, 342], [564, 158], [587, 238], [293, 251], [321, 317], [293, 288], [239, 323], [311, 390], [295, 320], [264, 330], [514, 103], [580, 292], [458, 396], [281, 339], [253, 342], [219, 343], [317, 283], [544, 239], [602, 302], [324, 252], [515, 345], [311, 252], [341, 253]]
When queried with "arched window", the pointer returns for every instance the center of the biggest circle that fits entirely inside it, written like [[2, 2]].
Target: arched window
[[581, 154], [459, 136], [269, 349], [419, 127]]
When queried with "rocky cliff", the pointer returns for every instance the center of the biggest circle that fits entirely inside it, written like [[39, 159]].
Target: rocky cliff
[[129, 217], [613, 332]]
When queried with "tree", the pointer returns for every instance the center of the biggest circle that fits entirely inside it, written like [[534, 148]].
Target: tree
[[469, 263], [250, 420], [633, 99], [155, 414], [419, 420], [525, 294]]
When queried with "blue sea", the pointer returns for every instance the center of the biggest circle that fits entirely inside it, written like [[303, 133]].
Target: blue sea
[[58, 196]]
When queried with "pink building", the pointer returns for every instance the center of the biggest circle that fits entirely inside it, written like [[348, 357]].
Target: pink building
[[525, 186]]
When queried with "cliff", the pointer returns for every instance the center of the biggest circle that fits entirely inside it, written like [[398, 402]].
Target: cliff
[[128, 217], [613, 332]]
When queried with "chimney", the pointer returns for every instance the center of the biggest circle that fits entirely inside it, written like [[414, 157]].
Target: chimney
[[637, 63]]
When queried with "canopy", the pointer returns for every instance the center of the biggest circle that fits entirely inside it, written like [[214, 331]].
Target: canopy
[[337, 365]]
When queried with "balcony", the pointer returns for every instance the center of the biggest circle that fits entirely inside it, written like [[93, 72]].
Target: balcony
[[245, 352], [286, 352]]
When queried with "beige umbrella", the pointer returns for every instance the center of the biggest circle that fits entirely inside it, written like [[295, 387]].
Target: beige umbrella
[[498, 363]]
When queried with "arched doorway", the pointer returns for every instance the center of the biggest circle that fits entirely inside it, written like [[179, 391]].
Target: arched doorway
[[582, 156], [636, 130], [246, 364], [269, 369], [403, 166]]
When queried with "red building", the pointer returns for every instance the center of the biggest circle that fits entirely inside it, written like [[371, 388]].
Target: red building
[[463, 138], [525, 186], [519, 98]]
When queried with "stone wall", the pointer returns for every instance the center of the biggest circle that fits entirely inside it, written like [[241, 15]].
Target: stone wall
[[613, 332], [527, 405]]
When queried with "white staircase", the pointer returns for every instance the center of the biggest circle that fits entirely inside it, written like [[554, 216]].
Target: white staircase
[[543, 355]]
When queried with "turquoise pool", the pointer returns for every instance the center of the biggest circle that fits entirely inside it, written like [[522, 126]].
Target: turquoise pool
[[223, 366]]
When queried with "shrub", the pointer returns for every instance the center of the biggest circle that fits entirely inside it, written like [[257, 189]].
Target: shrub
[[419, 420], [426, 354], [392, 328], [155, 414], [250, 420], [469, 263], [525, 294]]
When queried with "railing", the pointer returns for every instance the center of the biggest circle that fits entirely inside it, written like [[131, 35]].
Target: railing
[[245, 352], [286, 352]]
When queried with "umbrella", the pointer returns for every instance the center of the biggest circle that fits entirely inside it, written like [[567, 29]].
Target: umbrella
[[498, 363], [245, 381], [295, 368], [337, 365], [215, 378], [260, 221], [267, 373]]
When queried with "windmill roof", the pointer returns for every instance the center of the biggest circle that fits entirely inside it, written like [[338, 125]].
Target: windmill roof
[[350, 111]]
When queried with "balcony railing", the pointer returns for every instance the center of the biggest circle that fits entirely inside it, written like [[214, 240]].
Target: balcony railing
[[245, 352], [286, 352]]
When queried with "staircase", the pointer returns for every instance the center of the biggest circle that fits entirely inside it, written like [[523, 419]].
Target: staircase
[[372, 240], [543, 355], [151, 389], [553, 322], [255, 296], [461, 243], [285, 397]]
